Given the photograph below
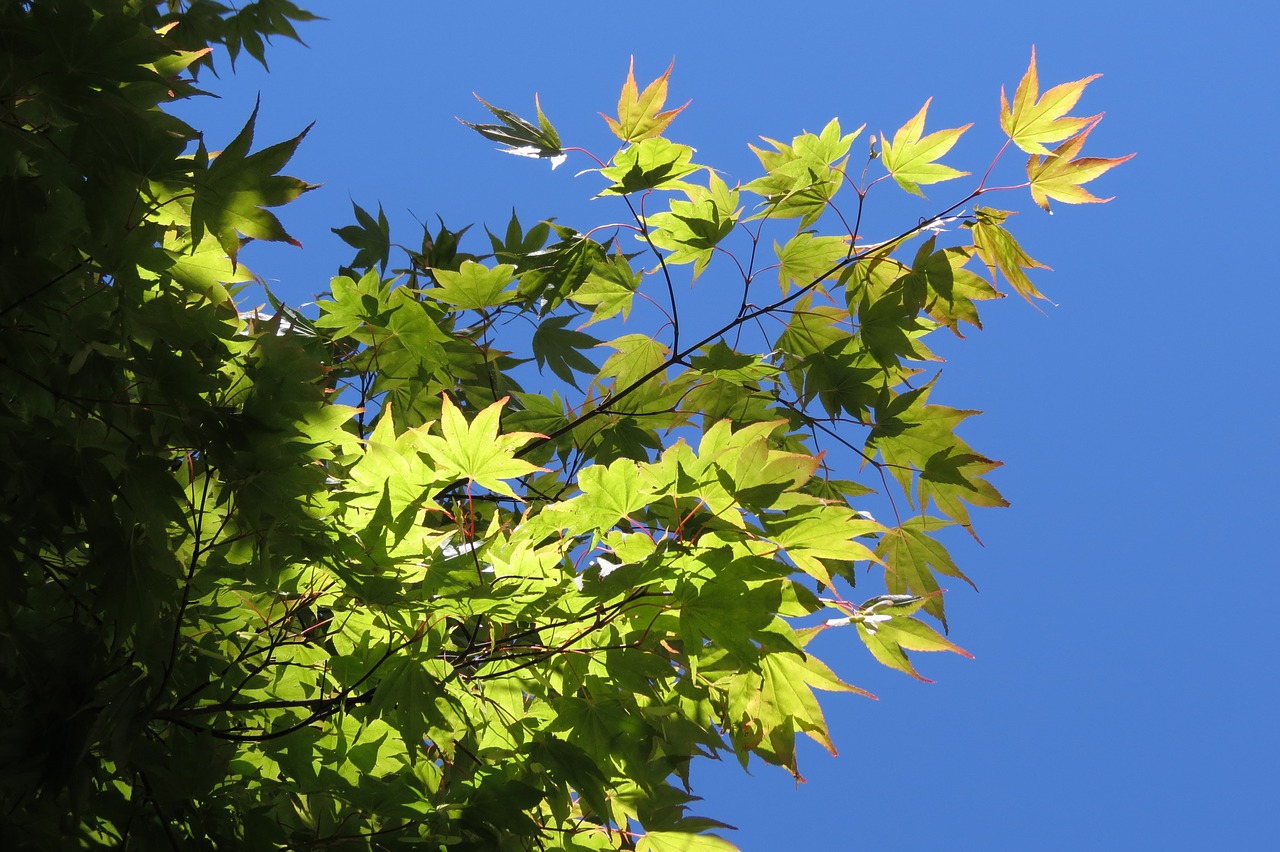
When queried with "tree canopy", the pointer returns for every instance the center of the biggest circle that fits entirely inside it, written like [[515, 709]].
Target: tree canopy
[[486, 549]]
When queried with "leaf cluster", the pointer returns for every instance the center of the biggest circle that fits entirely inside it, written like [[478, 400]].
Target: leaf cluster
[[365, 578]]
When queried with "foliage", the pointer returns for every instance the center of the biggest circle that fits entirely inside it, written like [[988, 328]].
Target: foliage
[[342, 581]]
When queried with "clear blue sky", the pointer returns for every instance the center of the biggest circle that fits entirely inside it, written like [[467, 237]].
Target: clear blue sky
[[1124, 688]]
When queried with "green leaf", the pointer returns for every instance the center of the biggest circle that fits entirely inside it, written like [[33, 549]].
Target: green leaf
[[676, 841], [910, 158], [403, 695], [693, 228], [476, 450], [803, 177], [559, 348], [521, 137], [550, 275], [788, 682], [232, 194], [889, 637], [636, 356], [610, 287], [205, 268], [727, 612], [652, 163], [827, 533], [371, 237], [938, 281], [917, 441], [516, 245], [474, 286], [890, 329], [1002, 253], [612, 492], [640, 114], [807, 258], [912, 555]]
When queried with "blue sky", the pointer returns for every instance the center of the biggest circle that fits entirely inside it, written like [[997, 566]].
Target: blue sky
[[1125, 672]]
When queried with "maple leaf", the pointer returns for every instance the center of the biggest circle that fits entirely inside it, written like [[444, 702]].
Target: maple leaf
[[913, 557], [917, 440], [909, 158], [889, 637], [1002, 253], [1034, 119], [519, 136], [1062, 174], [639, 113], [234, 190], [476, 451]]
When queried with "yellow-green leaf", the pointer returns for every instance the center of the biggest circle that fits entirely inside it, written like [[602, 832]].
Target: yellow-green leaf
[[679, 841], [640, 114], [474, 286], [637, 355], [1033, 119], [912, 556], [888, 638], [476, 450], [1062, 174], [910, 158], [1002, 253], [653, 163]]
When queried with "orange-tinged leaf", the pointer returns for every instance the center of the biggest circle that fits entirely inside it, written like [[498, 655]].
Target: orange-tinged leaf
[[1034, 119], [1062, 174], [640, 114], [910, 158]]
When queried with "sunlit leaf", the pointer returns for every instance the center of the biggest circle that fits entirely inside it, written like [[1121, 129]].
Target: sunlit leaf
[[910, 157], [477, 450], [653, 163], [232, 195], [1063, 174], [1034, 119], [519, 136], [474, 286], [640, 114], [1002, 253]]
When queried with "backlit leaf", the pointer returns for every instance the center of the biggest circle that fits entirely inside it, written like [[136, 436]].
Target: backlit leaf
[[910, 158], [1002, 253], [609, 287], [807, 258], [912, 556], [1063, 174], [640, 114], [677, 841], [653, 163], [519, 136], [476, 450], [801, 178], [474, 286], [232, 195], [1034, 119], [889, 637], [693, 228]]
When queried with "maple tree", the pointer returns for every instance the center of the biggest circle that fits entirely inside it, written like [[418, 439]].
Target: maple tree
[[364, 578]]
